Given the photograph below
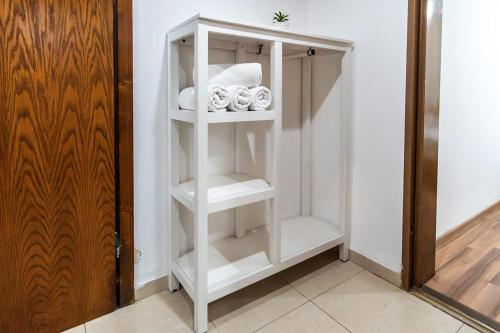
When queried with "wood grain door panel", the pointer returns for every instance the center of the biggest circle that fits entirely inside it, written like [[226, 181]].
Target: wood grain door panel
[[57, 165]]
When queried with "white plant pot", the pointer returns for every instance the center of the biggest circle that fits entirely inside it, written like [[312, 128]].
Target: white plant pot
[[284, 25]]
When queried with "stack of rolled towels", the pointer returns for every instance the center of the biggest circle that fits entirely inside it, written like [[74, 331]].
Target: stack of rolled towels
[[233, 87]]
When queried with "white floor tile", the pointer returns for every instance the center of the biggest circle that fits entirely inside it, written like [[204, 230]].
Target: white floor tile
[[306, 319], [318, 281], [366, 303], [254, 307], [164, 312]]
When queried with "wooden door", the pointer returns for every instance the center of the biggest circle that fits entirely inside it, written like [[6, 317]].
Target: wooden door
[[57, 165]]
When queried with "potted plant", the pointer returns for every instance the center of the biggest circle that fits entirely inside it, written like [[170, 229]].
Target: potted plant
[[281, 20]]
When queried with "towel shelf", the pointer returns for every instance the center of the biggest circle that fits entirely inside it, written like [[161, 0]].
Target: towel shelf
[[224, 117], [251, 195]]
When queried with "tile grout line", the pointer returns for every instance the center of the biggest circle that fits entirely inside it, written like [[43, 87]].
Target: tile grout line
[[335, 320], [274, 320], [307, 301], [311, 301], [291, 285], [335, 286], [338, 284], [317, 306], [460, 328]]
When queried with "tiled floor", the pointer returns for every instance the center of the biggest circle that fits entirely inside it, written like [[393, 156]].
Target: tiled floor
[[315, 296]]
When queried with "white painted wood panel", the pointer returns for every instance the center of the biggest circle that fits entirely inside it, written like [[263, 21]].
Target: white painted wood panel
[[306, 135], [325, 138], [345, 153], [201, 180], [173, 155], [273, 172], [254, 149], [290, 168]]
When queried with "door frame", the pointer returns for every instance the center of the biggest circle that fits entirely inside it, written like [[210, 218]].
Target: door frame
[[421, 141], [124, 155]]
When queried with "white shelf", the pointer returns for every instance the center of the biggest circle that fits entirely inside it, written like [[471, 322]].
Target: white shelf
[[302, 235], [228, 117], [186, 116], [226, 192], [224, 117], [234, 263], [230, 261]]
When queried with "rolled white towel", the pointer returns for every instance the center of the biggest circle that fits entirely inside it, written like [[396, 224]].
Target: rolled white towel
[[239, 98], [218, 98], [245, 74], [261, 98]]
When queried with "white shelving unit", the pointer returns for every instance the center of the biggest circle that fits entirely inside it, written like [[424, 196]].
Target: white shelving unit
[[213, 269]]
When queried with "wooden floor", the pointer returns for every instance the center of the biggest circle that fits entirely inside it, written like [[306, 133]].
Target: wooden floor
[[468, 266]]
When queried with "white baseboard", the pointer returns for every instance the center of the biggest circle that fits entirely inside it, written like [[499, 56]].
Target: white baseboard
[[152, 287], [375, 268], [161, 284]]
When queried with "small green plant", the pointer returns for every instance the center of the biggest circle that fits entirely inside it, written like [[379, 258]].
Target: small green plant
[[280, 17]]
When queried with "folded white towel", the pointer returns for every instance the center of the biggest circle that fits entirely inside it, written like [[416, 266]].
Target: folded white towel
[[239, 98], [218, 98], [246, 74], [261, 98]]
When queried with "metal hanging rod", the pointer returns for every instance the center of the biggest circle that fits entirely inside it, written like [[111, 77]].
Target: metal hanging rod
[[309, 53]]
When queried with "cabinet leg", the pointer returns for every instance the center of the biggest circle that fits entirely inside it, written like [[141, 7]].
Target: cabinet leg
[[344, 252], [200, 318], [173, 283]]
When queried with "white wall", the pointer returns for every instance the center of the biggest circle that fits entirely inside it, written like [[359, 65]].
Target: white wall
[[151, 19], [469, 135], [378, 29]]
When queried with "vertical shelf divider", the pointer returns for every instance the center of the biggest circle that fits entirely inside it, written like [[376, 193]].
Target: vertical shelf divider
[[276, 89], [172, 155], [239, 221], [201, 179], [306, 136], [345, 147]]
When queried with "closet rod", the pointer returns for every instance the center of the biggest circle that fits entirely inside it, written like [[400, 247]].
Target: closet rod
[[293, 56], [304, 55]]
